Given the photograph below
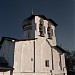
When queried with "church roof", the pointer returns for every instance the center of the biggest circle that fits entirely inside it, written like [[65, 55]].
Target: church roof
[[59, 48], [42, 16], [10, 39], [4, 65], [3, 60], [4, 69], [6, 38]]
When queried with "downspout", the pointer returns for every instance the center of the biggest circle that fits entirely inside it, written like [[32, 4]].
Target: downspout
[[34, 57]]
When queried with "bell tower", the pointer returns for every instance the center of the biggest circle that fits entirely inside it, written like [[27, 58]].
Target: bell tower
[[38, 26]]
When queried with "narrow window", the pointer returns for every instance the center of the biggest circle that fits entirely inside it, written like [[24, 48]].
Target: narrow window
[[41, 28], [44, 30], [49, 31], [47, 63], [31, 59]]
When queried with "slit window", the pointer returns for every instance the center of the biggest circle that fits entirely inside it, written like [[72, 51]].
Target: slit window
[[47, 63], [49, 31], [41, 28]]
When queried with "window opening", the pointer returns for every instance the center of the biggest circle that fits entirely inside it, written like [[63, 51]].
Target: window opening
[[47, 63], [49, 31], [41, 28]]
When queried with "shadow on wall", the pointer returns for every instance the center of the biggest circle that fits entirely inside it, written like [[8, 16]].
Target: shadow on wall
[[7, 55]]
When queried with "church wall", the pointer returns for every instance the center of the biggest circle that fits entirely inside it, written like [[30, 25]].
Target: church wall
[[17, 57], [63, 63], [27, 57], [53, 40], [56, 62], [37, 55], [24, 56], [24, 52], [46, 55], [43, 53], [37, 26]]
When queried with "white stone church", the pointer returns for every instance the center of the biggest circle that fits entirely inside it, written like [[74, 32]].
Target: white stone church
[[36, 54]]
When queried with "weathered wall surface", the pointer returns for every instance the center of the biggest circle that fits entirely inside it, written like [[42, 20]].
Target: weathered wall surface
[[24, 56], [59, 67], [30, 56], [43, 53]]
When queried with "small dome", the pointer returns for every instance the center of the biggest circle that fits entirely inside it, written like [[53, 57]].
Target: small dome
[[26, 23]]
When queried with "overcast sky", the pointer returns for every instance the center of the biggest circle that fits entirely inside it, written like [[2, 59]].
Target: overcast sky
[[13, 12]]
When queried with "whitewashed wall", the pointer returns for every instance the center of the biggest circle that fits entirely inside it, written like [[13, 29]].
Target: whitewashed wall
[[43, 53], [56, 59], [24, 52], [37, 33], [24, 56]]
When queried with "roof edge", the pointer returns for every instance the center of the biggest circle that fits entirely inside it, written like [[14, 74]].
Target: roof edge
[[61, 49], [42, 16], [6, 38]]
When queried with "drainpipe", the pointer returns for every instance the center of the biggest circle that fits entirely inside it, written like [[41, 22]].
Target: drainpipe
[[34, 56]]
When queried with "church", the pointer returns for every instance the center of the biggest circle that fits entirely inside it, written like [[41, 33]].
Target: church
[[37, 53]]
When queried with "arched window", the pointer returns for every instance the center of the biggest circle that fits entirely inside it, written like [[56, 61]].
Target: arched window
[[41, 28]]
